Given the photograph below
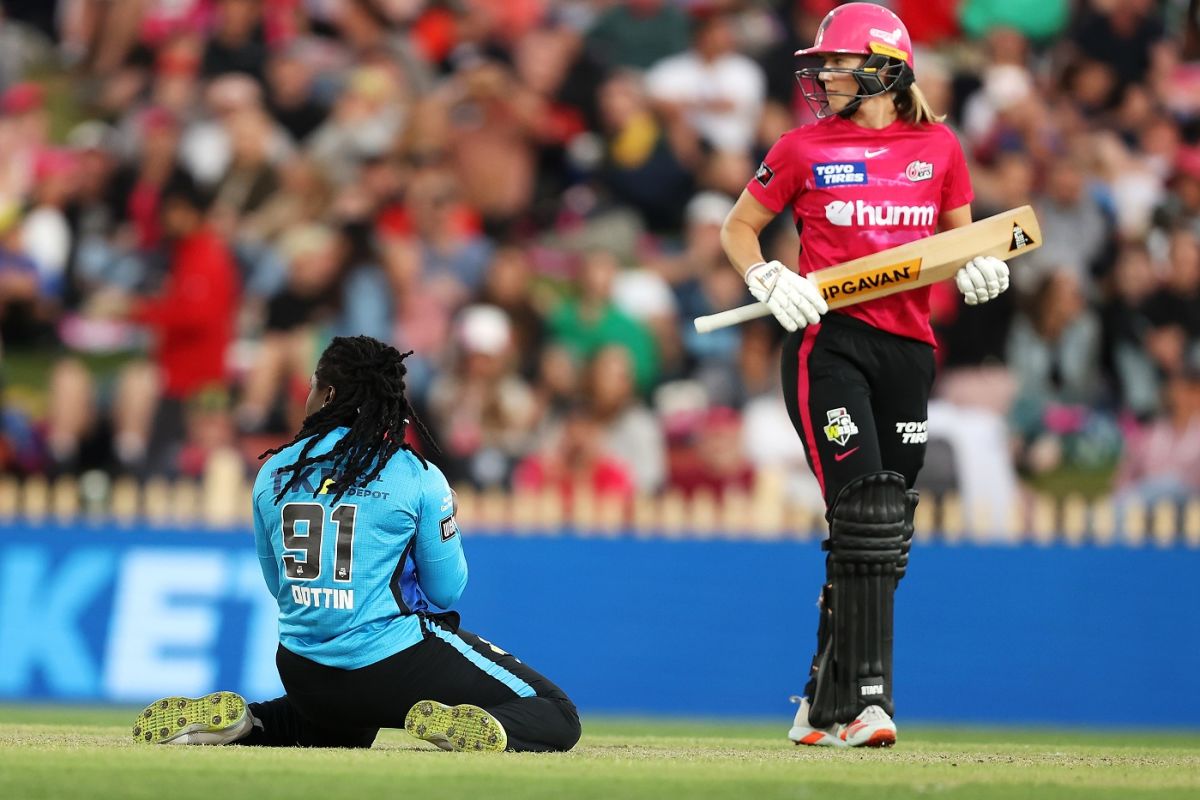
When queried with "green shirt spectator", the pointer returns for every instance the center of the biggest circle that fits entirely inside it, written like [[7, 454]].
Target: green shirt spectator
[[587, 330], [638, 33], [1036, 19], [591, 321]]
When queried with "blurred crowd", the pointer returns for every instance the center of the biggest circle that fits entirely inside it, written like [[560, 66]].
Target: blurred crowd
[[195, 195]]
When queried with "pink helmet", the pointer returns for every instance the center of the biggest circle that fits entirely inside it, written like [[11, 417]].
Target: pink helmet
[[865, 29]]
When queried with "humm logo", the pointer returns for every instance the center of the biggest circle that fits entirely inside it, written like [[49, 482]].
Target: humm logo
[[872, 281]]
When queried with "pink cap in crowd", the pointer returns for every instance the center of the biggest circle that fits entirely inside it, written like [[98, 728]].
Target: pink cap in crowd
[[54, 162], [22, 98]]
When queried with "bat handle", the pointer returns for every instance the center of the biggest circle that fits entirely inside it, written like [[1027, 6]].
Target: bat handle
[[734, 316]]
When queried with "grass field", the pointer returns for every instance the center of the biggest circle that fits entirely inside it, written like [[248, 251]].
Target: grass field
[[69, 753]]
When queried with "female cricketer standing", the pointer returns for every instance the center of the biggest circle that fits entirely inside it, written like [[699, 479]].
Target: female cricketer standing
[[875, 171]]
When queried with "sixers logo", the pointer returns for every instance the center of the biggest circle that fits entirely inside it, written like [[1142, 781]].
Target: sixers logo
[[919, 171]]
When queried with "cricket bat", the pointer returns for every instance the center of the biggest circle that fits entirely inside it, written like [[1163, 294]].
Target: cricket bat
[[908, 266]]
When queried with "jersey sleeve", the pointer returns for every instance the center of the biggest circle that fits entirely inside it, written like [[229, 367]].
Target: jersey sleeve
[[441, 565], [779, 178], [266, 553], [956, 189]]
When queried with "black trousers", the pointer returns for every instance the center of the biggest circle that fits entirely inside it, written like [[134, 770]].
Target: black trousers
[[859, 398], [329, 707]]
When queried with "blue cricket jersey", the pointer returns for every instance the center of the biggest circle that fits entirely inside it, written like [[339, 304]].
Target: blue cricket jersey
[[351, 577]]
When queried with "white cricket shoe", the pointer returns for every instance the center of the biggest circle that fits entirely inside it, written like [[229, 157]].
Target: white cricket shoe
[[217, 718], [871, 728], [804, 733]]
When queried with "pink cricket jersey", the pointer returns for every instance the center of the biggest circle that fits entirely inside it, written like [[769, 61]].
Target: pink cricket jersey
[[855, 191]]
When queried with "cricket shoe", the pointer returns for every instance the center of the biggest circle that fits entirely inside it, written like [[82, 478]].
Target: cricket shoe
[[871, 728], [217, 718], [464, 728], [804, 733]]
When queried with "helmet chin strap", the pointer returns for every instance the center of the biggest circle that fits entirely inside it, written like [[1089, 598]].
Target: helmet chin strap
[[851, 107]]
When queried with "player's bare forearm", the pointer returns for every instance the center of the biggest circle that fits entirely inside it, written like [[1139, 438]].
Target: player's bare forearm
[[741, 245], [739, 234]]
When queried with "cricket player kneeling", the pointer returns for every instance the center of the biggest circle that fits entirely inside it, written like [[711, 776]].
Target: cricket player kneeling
[[358, 542]]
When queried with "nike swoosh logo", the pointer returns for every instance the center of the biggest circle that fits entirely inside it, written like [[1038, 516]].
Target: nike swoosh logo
[[847, 454], [873, 153]]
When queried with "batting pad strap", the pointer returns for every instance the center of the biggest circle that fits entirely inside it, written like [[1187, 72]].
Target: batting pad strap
[[912, 496]]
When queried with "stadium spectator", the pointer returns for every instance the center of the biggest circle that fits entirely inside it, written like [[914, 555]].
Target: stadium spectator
[[1054, 354], [482, 411], [141, 184], [191, 321], [45, 234], [283, 363], [21, 290], [508, 285], [24, 132], [1181, 208], [1162, 459], [638, 33], [648, 159], [235, 43], [573, 459], [631, 433], [717, 90], [1124, 34], [291, 97], [1175, 306], [1129, 333], [1037, 19], [591, 321], [369, 112], [715, 463], [493, 141], [1075, 232], [251, 178]]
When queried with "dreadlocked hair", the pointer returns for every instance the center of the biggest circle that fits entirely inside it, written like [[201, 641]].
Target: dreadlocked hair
[[368, 377]]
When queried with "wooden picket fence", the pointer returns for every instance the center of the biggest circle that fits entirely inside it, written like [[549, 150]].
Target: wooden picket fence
[[220, 499]]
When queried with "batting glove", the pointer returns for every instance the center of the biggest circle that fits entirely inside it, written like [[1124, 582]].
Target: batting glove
[[795, 301], [981, 279]]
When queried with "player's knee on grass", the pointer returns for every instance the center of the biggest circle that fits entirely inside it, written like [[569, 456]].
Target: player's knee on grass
[[572, 730], [361, 739]]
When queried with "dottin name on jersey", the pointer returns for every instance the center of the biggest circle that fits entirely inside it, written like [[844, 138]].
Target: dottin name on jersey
[[317, 597], [873, 280]]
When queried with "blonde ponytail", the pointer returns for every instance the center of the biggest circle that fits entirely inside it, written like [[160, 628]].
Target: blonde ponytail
[[917, 110]]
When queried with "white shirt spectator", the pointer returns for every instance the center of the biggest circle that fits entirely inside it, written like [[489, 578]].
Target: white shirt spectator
[[732, 80], [769, 442], [47, 240], [636, 439]]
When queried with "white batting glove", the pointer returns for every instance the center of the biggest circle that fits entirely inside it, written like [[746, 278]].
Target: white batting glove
[[981, 279], [795, 301]]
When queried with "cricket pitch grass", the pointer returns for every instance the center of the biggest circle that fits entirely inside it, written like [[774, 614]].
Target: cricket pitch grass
[[60, 752]]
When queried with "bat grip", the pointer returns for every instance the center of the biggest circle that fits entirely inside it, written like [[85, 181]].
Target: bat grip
[[734, 316]]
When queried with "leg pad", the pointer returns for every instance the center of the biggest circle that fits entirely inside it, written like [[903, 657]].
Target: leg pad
[[870, 531]]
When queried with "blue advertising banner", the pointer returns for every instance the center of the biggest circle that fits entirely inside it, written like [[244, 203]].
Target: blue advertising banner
[[1027, 634]]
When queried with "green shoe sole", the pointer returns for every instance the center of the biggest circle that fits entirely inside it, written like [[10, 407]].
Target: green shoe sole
[[216, 718], [464, 728]]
